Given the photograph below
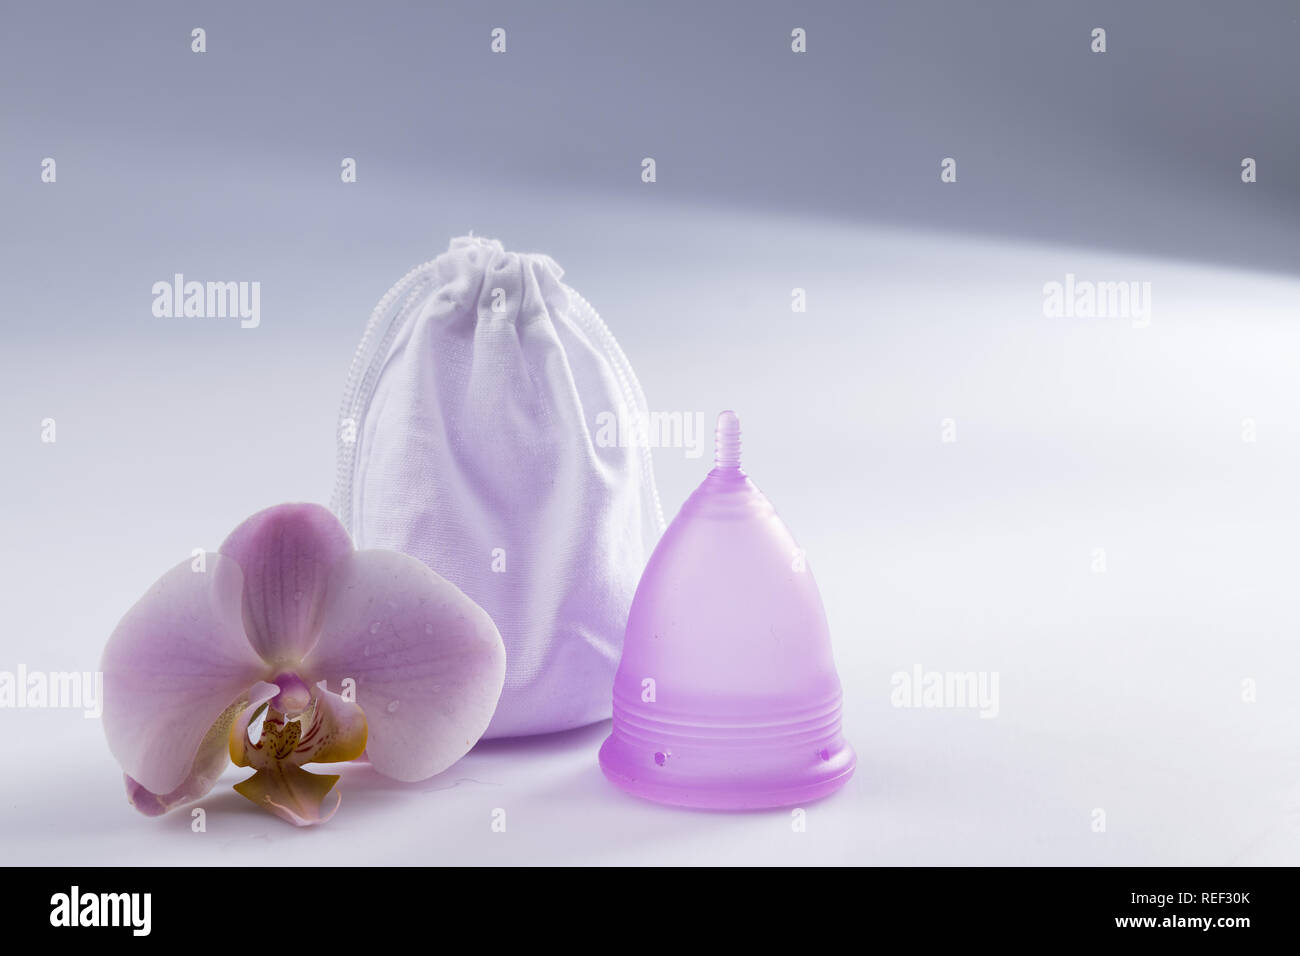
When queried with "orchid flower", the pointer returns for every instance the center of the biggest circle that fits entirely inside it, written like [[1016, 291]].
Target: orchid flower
[[290, 647]]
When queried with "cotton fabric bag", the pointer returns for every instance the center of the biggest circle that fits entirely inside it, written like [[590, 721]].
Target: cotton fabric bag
[[474, 436]]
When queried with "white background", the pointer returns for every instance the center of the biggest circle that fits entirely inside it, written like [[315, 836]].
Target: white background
[[1120, 691]]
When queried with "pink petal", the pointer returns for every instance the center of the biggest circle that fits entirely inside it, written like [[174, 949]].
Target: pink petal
[[176, 662], [427, 661], [286, 554]]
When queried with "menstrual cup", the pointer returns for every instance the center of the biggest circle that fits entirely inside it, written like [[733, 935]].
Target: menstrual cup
[[726, 696]]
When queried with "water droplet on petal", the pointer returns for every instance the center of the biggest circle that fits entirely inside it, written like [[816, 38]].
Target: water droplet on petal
[[661, 758], [374, 628], [428, 629], [392, 707]]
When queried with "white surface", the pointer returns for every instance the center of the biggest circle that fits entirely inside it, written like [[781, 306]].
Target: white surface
[[1119, 691]]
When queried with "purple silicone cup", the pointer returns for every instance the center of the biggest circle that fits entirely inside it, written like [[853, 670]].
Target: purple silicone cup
[[727, 697]]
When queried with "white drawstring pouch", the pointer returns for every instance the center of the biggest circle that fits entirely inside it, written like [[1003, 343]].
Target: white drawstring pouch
[[475, 435]]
